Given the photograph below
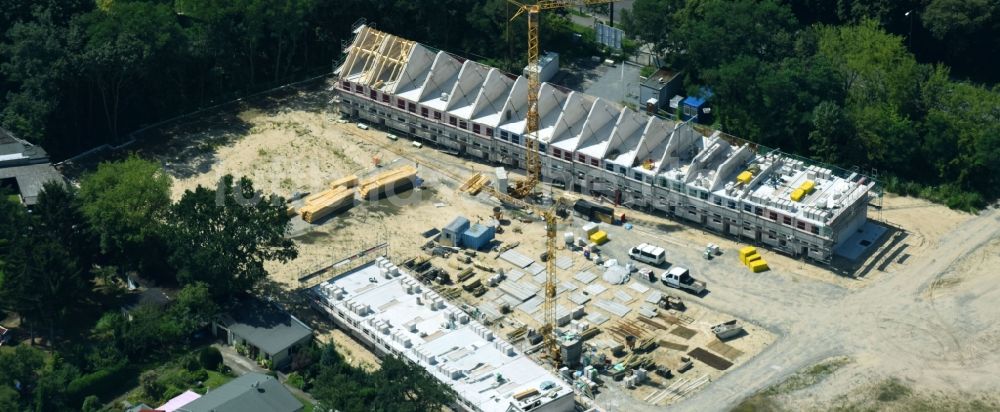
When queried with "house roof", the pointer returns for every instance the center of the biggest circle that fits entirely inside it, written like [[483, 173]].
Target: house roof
[[265, 326], [179, 401], [252, 392], [14, 151], [31, 179]]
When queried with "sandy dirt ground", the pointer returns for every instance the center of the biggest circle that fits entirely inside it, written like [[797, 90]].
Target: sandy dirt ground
[[926, 315]]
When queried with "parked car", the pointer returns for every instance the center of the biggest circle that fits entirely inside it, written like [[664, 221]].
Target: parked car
[[362, 126], [392, 136], [418, 144], [680, 278], [646, 253]]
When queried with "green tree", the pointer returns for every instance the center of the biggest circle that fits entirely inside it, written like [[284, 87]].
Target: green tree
[[35, 58], [832, 132], [42, 282], [23, 365], [58, 214], [404, 387], [222, 237], [194, 307], [125, 202], [124, 43], [651, 21], [708, 33]]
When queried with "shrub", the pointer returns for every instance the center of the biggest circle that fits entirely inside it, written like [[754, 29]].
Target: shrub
[[151, 385], [100, 382], [91, 404], [295, 380], [192, 362], [210, 358], [172, 392]]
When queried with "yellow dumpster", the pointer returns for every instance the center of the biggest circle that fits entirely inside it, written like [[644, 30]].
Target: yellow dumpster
[[808, 186], [744, 177], [747, 251], [758, 266], [599, 237], [797, 195]]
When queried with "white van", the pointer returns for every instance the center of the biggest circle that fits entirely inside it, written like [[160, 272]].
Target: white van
[[654, 255]]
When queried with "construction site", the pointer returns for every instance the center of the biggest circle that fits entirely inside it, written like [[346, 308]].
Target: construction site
[[490, 228]]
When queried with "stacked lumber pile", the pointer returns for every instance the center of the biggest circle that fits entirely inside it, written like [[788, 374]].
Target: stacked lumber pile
[[339, 196], [393, 181]]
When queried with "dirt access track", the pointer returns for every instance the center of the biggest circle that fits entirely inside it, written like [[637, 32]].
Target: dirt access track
[[930, 320]]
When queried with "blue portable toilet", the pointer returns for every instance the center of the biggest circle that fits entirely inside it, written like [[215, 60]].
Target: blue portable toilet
[[451, 235], [477, 236], [697, 107]]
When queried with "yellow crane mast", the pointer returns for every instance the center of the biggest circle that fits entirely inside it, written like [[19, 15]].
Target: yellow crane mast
[[533, 161]]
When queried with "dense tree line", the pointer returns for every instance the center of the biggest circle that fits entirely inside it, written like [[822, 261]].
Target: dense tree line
[[62, 267], [829, 80], [78, 73]]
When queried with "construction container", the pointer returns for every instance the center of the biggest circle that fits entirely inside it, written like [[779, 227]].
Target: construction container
[[758, 266], [599, 237], [388, 183], [346, 181], [590, 211], [753, 258], [477, 236], [328, 201], [451, 235], [744, 177], [747, 251], [589, 228], [808, 186], [797, 195]]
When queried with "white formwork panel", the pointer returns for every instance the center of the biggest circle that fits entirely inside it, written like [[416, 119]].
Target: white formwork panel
[[516, 258], [595, 289]]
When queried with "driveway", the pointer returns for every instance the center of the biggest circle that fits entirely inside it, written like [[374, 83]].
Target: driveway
[[238, 363]]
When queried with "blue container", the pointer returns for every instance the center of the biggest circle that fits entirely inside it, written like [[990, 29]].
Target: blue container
[[477, 236]]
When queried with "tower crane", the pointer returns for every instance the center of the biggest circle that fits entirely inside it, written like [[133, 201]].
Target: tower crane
[[533, 162]]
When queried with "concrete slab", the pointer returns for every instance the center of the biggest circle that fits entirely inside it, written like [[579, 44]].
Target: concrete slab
[[639, 287], [653, 297], [516, 258], [860, 242], [595, 289], [519, 290], [585, 277], [623, 297], [612, 307], [534, 269], [564, 262], [514, 275], [579, 298], [597, 319]]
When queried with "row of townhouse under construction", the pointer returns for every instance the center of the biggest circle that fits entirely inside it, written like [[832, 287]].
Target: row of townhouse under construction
[[596, 146]]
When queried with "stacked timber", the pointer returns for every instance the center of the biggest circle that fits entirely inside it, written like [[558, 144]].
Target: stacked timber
[[328, 201], [346, 181], [388, 183]]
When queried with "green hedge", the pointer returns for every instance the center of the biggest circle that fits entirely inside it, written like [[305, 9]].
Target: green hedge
[[97, 383]]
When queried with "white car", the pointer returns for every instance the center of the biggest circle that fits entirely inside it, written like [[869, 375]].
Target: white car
[[362, 126], [391, 136], [417, 144], [646, 253]]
